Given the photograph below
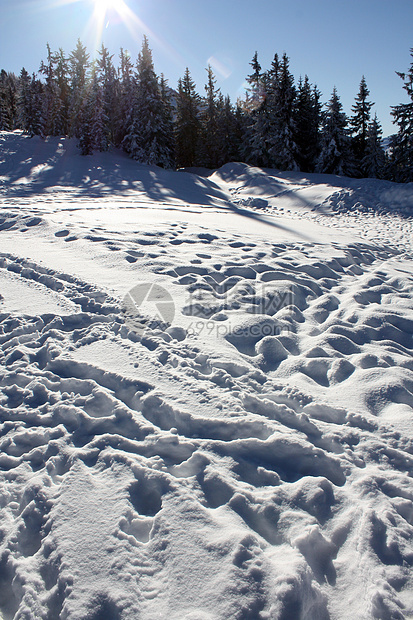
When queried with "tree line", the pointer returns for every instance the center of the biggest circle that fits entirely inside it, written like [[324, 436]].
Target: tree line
[[280, 123]]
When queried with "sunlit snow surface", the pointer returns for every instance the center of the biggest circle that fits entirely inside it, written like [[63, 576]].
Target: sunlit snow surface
[[244, 451]]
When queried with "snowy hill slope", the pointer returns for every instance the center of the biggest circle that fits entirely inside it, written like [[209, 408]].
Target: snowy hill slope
[[206, 391]]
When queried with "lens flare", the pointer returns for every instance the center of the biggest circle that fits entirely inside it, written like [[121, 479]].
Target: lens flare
[[104, 11], [105, 14], [103, 7], [220, 66]]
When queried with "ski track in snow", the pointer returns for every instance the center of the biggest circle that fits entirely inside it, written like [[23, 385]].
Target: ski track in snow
[[253, 460]]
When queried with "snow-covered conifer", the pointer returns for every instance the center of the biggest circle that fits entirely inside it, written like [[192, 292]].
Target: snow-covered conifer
[[283, 149], [255, 148], [94, 132], [359, 124], [374, 158], [126, 97], [167, 141], [62, 80], [145, 138], [187, 124], [307, 125], [402, 142], [108, 92], [8, 100], [79, 75], [209, 147], [229, 131], [51, 109], [335, 152], [24, 99]]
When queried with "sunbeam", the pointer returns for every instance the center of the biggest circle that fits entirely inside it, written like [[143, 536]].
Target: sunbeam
[[103, 18], [103, 11]]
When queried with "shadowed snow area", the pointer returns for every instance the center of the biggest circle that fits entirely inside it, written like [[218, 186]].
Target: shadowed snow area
[[206, 405]]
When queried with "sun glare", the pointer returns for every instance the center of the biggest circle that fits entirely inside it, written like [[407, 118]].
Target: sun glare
[[102, 7], [103, 13], [105, 5]]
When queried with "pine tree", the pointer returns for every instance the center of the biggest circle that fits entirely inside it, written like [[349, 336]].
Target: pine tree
[[335, 152], [359, 123], [402, 142], [187, 126], [374, 161]]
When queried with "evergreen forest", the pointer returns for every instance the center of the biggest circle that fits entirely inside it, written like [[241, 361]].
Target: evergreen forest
[[281, 123]]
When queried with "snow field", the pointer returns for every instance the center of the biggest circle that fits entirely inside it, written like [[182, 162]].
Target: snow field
[[253, 459]]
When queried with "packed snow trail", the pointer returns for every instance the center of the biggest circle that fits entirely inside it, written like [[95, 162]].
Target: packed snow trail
[[242, 452]]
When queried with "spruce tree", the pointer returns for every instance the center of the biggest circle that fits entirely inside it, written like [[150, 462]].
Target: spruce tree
[[51, 110], [125, 104], [94, 132], [402, 142], [187, 125], [62, 80], [284, 149], [108, 92], [307, 125], [145, 140], [24, 100], [374, 158], [8, 100], [167, 142], [255, 107], [359, 123], [335, 152], [271, 126], [255, 90], [209, 147], [4, 106], [229, 131], [34, 111], [79, 77]]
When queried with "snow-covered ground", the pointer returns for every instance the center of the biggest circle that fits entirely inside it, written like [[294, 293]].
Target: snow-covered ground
[[206, 391]]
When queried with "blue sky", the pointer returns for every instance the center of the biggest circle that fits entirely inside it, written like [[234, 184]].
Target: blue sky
[[335, 43]]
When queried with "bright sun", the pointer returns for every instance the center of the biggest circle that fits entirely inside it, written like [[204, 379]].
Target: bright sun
[[105, 8], [102, 7], [105, 5], [107, 12]]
